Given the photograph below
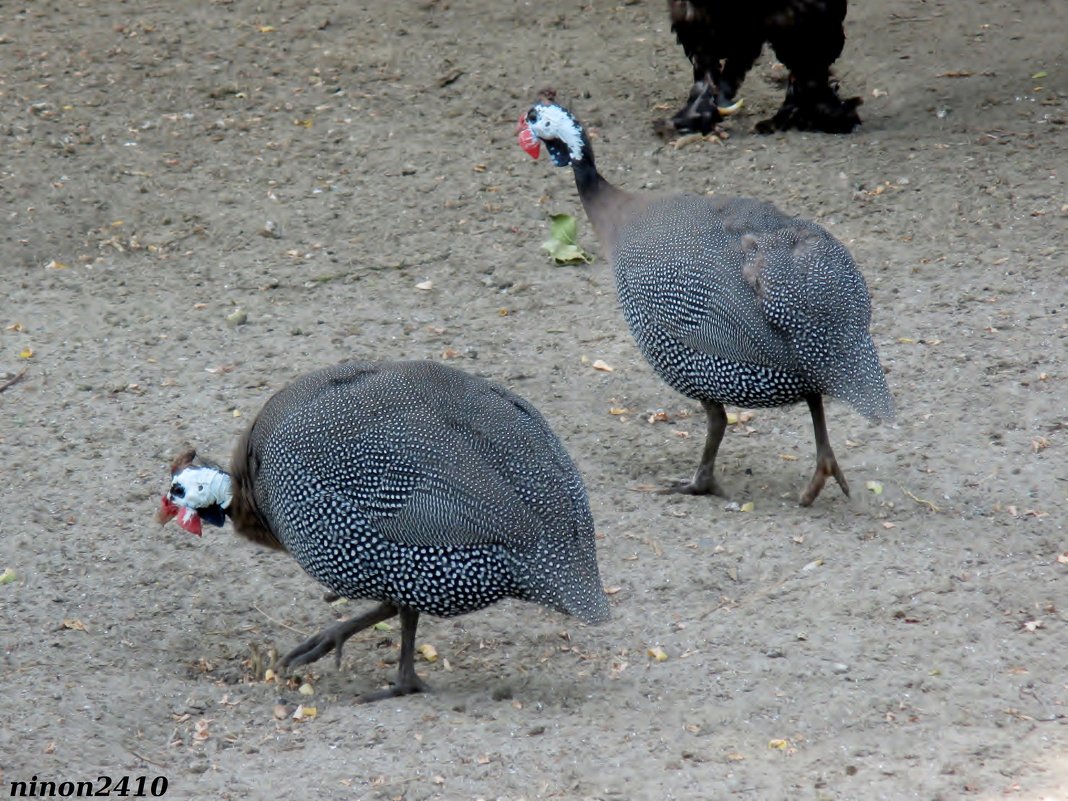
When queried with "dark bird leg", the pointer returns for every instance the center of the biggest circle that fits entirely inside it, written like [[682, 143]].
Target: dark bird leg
[[743, 53], [808, 48], [332, 638], [826, 463], [407, 680], [691, 25], [704, 481]]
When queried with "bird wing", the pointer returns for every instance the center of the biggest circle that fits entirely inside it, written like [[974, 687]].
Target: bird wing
[[425, 471]]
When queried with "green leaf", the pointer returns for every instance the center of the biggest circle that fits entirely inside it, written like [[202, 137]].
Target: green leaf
[[1039, 75], [563, 242]]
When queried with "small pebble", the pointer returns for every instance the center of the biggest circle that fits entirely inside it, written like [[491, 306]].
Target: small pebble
[[839, 667]]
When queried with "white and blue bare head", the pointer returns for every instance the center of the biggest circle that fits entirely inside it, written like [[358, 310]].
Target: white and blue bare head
[[197, 492], [564, 138]]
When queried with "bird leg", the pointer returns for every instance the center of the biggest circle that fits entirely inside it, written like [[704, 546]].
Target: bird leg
[[704, 481], [407, 680], [826, 463], [332, 638]]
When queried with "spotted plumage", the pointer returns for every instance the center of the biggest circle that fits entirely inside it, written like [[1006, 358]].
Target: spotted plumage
[[421, 487], [730, 300]]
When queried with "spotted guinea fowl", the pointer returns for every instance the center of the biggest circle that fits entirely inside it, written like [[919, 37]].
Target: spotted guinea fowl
[[730, 300], [410, 483]]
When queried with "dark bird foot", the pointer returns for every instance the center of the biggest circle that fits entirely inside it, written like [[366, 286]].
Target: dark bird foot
[[332, 638], [700, 115], [700, 484], [412, 686], [829, 114], [826, 467]]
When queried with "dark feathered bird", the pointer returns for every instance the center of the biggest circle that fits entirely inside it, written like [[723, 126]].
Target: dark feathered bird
[[723, 38], [730, 300], [410, 483]]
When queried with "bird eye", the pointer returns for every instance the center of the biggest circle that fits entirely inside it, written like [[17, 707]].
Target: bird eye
[[177, 490], [200, 487]]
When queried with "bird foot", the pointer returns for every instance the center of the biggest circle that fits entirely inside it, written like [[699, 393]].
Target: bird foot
[[316, 647], [407, 687], [826, 467], [701, 484], [333, 637]]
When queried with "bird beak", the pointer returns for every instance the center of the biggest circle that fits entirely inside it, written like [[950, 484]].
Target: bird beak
[[187, 518], [527, 140]]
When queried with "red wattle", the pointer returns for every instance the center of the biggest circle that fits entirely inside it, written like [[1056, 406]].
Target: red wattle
[[527, 140]]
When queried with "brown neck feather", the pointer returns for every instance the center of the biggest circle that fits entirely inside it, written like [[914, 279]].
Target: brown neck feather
[[244, 512]]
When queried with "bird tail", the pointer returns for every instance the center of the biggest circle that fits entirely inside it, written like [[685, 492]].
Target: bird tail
[[861, 382]]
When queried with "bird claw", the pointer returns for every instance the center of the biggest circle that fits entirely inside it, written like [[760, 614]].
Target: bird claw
[[409, 687], [699, 485], [316, 647], [826, 467]]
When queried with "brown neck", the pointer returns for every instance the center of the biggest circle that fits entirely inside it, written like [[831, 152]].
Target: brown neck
[[244, 512], [606, 205]]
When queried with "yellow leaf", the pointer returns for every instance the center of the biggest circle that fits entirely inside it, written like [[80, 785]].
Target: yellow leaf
[[304, 712], [748, 506], [657, 653], [269, 675], [782, 745], [15, 327], [875, 486], [787, 457], [56, 265], [236, 413], [732, 418], [617, 410], [265, 28], [429, 652], [304, 123], [26, 353]]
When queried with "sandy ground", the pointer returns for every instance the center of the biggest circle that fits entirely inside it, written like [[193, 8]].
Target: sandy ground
[[911, 644]]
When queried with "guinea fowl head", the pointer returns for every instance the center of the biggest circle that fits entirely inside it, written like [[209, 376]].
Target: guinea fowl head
[[196, 493], [554, 125]]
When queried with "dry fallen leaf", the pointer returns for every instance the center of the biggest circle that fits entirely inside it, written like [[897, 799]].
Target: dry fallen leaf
[[1061, 557], [26, 353], [617, 410], [782, 745], [306, 689], [603, 366], [425, 285], [429, 652], [1033, 625], [657, 653], [304, 712], [74, 625]]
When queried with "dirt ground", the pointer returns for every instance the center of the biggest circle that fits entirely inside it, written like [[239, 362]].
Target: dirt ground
[[343, 177]]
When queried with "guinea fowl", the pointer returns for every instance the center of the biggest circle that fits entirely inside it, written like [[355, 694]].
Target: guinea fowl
[[730, 300], [723, 39], [410, 483]]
